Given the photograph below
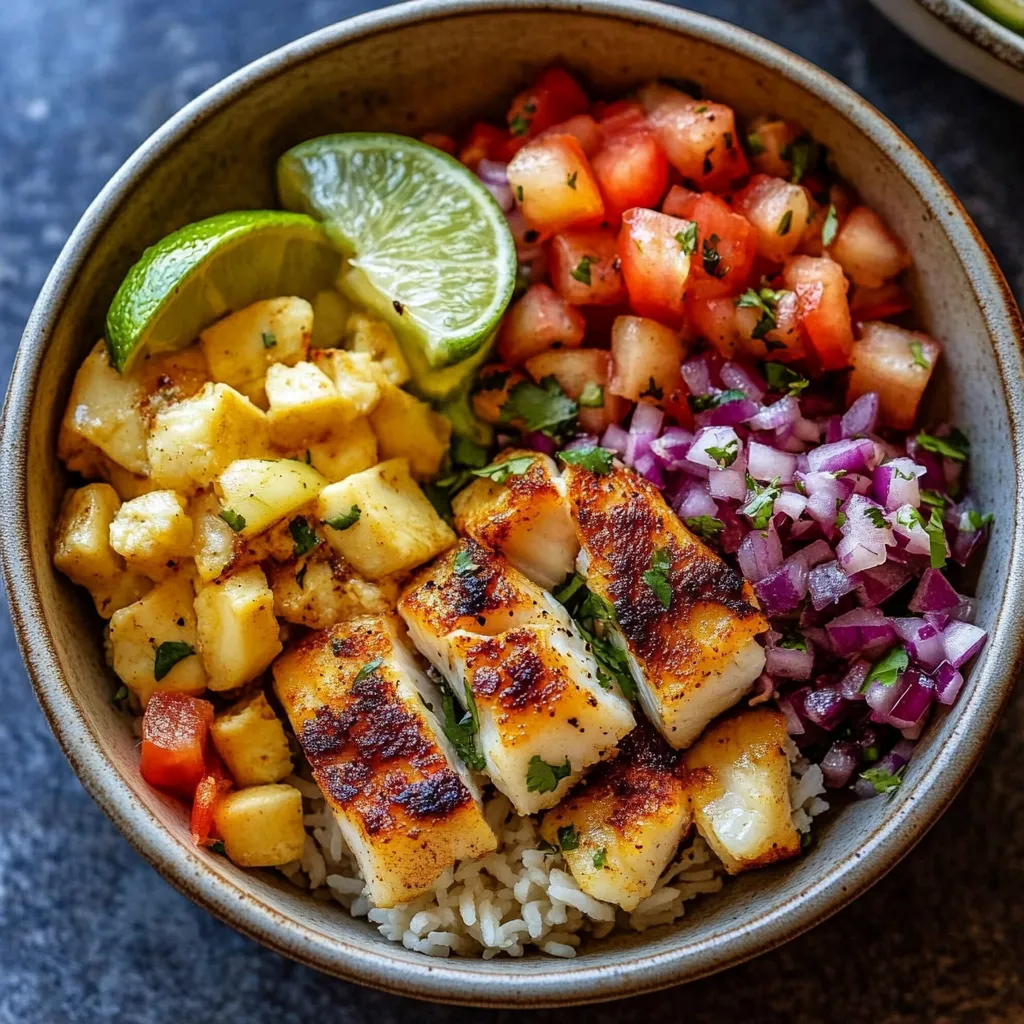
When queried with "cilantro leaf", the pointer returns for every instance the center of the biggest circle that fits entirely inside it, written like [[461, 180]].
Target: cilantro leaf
[[233, 519], [269, 340], [597, 460], [569, 588], [712, 258], [705, 526], [887, 669], [499, 472], [726, 455], [592, 396], [781, 378], [934, 498], [367, 670], [883, 780], [877, 517], [793, 643], [218, 847], [600, 857], [910, 517], [464, 564], [544, 407], [755, 144], [701, 403], [460, 728], [785, 223], [653, 390], [568, 838], [656, 577], [122, 694], [303, 535], [571, 180], [975, 521], [805, 155], [954, 446], [761, 507], [519, 125], [581, 272], [542, 777], [168, 654], [830, 227], [466, 452], [936, 539], [917, 352], [687, 238], [343, 520]]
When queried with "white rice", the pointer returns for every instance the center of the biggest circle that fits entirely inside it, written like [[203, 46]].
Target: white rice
[[519, 898]]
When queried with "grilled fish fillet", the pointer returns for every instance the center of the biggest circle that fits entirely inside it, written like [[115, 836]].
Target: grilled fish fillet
[[696, 658], [622, 826], [526, 519], [739, 789], [543, 716], [405, 804]]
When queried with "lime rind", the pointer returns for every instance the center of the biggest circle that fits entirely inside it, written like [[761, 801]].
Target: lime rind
[[428, 247], [195, 275]]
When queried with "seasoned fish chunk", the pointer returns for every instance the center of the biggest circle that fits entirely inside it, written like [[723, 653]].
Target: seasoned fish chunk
[[470, 588], [526, 518], [405, 805], [622, 826], [739, 789], [509, 648], [694, 658]]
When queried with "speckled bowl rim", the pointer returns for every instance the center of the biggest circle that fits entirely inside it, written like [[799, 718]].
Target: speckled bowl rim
[[979, 29], [543, 983]]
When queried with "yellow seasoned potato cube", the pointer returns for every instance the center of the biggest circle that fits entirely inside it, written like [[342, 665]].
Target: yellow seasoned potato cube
[[330, 316], [193, 441], [240, 347], [408, 428], [238, 634], [153, 533], [104, 410], [357, 378], [213, 541], [347, 450], [304, 405], [83, 553], [256, 493], [157, 635], [318, 594], [397, 528], [250, 740], [375, 337], [261, 826]]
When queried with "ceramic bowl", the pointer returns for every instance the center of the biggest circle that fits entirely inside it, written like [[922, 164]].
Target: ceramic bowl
[[436, 65], [965, 38]]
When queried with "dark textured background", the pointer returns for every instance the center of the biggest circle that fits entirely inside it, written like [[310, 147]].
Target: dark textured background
[[88, 932]]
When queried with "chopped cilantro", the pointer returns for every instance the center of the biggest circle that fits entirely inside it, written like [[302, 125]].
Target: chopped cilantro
[[936, 539], [122, 694], [883, 780], [917, 352], [581, 272], [887, 669], [233, 519], [597, 460], [793, 643], [687, 238], [466, 452], [954, 446], [910, 517], [933, 498], [499, 472], [343, 520], [877, 517], [568, 589], [461, 729], [701, 403], [544, 407], [781, 378], [726, 455], [712, 259], [755, 144], [568, 838], [592, 396], [218, 847], [705, 526], [367, 670], [767, 301], [785, 223], [571, 180], [168, 654], [656, 577], [600, 857], [653, 390], [269, 339], [303, 535], [519, 125], [542, 777], [761, 506], [830, 227], [464, 564], [976, 521], [805, 155]]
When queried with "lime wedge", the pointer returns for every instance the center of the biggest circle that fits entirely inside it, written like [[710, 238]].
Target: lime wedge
[[198, 273], [428, 247], [1009, 12]]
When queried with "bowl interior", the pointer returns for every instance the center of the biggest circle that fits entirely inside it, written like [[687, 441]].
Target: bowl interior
[[439, 67]]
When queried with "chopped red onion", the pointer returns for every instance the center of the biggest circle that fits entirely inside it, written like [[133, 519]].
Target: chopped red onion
[[647, 466], [731, 414], [934, 593], [876, 585], [765, 464], [849, 456], [646, 420], [827, 584], [782, 590], [860, 631], [948, 683], [495, 180], [582, 441], [814, 554], [966, 610], [787, 663], [538, 442], [794, 725], [724, 438], [895, 483], [737, 377], [907, 528], [825, 706], [759, 553], [913, 703], [727, 483], [851, 684], [807, 430], [923, 640], [782, 413], [693, 500], [861, 417], [961, 641], [615, 439], [697, 375], [839, 763], [882, 699], [670, 449], [791, 504], [833, 429]]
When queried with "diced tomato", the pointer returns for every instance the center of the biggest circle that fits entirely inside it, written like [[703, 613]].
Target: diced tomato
[[585, 268], [785, 341], [654, 263], [679, 202], [583, 128], [714, 320], [726, 244], [897, 364], [485, 142], [823, 309], [867, 250], [574, 370], [778, 211], [768, 140], [538, 321], [556, 96], [439, 141], [175, 733], [878, 303], [647, 359], [699, 137], [210, 789], [490, 392], [631, 166], [554, 185]]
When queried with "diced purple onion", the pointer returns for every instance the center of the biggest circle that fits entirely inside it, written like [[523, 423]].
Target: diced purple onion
[[861, 417], [538, 442], [647, 466], [876, 585], [807, 430], [495, 180], [791, 504], [727, 483], [787, 663], [694, 500], [850, 456], [615, 439], [827, 583], [765, 464], [670, 449], [948, 683], [782, 590], [737, 377], [794, 725], [713, 437], [581, 441], [833, 429], [825, 706], [923, 640], [731, 414], [782, 413], [851, 684], [895, 483], [914, 702], [839, 763], [860, 631], [961, 641], [697, 375], [934, 593], [759, 553]]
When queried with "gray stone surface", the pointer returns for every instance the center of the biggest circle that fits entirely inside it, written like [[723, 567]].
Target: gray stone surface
[[88, 932]]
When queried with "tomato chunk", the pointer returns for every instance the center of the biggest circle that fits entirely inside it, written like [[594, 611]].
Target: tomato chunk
[[630, 166], [439, 141], [539, 320], [485, 142], [210, 789], [554, 185], [583, 128], [878, 303], [897, 364], [867, 250], [779, 212], [585, 268], [823, 310], [769, 140], [698, 136], [574, 370], [647, 359], [726, 243], [175, 732], [783, 342], [555, 96], [714, 320], [655, 264]]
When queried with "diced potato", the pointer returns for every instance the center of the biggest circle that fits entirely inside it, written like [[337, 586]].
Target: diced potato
[[193, 441], [261, 826], [164, 616], [349, 449], [250, 740], [264, 491], [357, 379], [304, 404], [330, 319], [240, 347], [153, 533], [213, 541], [169, 377], [319, 594], [238, 634], [408, 428], [397, 528], [83, 553], [376, 339], [104, 410]]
